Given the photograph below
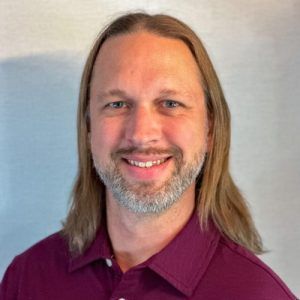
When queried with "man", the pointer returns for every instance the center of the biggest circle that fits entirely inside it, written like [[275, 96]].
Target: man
[[155, 213]]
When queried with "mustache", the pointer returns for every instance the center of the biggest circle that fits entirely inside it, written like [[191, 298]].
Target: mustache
[[171, 151]]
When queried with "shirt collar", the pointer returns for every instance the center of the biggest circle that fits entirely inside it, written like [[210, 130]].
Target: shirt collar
[[184, 261], [100, 248]]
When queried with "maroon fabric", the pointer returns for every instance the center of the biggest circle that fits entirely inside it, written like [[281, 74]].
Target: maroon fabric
[[195, 265]]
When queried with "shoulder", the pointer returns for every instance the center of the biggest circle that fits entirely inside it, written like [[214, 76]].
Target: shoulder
[[38, 263], [53, 248], [241, 272]]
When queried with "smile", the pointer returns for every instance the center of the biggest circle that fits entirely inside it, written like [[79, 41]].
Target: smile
[[146, 164]]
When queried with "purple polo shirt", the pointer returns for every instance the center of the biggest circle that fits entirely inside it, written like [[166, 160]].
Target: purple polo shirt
[[195, 265]]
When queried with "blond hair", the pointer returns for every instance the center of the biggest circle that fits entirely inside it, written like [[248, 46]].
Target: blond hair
[[217, 197]]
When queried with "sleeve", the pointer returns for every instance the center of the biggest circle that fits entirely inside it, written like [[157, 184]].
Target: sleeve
[[10, 283]]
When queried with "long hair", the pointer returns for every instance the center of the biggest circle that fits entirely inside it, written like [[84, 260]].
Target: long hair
[[217, 195]]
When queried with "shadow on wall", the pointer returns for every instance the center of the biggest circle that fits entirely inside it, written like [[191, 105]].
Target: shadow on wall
[[38, 101]]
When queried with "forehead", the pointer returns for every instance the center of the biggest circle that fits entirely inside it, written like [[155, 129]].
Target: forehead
[[146, 58], [137, 42]]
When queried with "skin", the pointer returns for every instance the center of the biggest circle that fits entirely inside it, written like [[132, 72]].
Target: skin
[[146, 93]]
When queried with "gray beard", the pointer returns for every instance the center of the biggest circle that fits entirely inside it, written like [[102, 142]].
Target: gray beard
[[145, 197]]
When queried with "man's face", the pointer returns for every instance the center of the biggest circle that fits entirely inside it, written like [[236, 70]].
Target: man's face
[[148, 121]]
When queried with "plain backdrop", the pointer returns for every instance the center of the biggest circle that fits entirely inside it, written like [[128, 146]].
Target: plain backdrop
[[255, 48]]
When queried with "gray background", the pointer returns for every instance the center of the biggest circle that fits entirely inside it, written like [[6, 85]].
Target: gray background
[[255, 48]]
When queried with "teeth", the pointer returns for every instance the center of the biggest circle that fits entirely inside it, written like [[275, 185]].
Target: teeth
[[146, 164]]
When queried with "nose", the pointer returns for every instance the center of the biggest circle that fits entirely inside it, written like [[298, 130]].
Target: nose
[[143, 127]]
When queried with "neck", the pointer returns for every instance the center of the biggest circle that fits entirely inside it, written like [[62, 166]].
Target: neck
[[137, 237]]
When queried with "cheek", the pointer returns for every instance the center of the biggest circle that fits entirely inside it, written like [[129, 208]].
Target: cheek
[[189, 136], [105, 136]]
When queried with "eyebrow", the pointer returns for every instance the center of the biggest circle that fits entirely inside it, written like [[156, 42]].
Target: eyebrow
[[168, 92], [122, 94], [114, 92]]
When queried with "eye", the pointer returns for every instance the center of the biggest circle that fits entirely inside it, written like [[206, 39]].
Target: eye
[[170, 104], [117, 104]]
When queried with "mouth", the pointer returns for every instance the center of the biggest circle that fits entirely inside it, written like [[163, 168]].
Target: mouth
[[145, 167], [146, 164]]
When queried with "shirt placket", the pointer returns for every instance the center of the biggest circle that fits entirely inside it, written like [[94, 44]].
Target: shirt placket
[[125, 283]]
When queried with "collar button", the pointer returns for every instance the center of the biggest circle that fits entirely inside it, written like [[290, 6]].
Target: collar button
[[108, 262]]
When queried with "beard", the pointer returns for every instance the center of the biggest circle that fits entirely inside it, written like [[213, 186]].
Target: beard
[[145, 197]]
